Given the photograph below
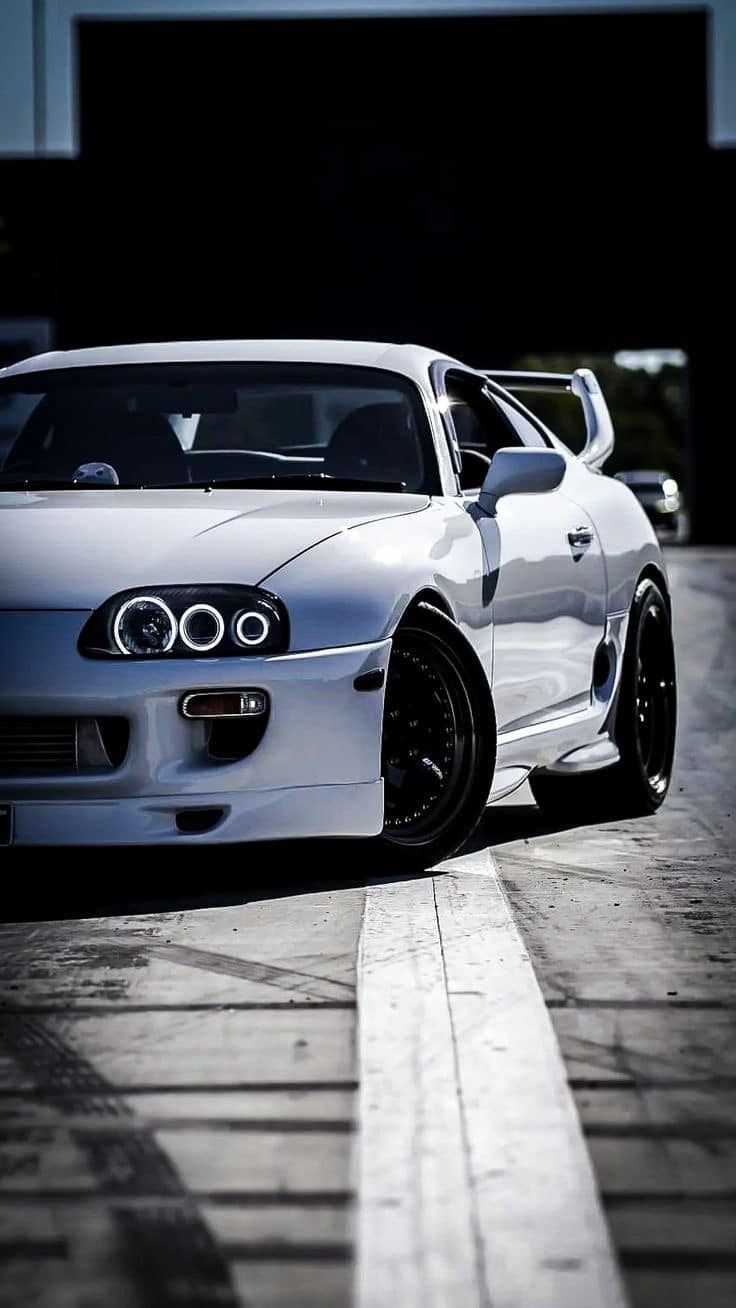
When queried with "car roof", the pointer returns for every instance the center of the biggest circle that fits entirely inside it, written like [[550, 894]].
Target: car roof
[[409, 360]]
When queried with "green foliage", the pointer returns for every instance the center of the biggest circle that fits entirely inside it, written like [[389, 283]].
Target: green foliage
[[648, 411]]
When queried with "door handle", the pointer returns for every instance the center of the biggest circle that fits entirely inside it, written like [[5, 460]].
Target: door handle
[[580, 536]]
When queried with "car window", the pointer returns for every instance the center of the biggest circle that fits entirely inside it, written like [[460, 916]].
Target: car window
[[481, 427], [525, 428], [177, 425]]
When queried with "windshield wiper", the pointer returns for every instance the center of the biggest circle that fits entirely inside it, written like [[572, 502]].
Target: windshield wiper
[[294, 481], [297, 480], [62, 483]]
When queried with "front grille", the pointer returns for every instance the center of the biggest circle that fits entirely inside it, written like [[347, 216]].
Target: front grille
[[61, 746]]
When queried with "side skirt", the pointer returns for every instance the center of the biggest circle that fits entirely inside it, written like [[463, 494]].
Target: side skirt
[[576, 742]]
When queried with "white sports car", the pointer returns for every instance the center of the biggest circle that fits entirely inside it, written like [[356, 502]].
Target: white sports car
[[265, 589]]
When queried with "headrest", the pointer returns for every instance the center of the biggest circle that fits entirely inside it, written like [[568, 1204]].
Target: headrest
[[377, 442]]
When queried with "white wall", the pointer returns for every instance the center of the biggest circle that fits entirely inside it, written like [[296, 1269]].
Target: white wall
[[16, 77], [37, 50]]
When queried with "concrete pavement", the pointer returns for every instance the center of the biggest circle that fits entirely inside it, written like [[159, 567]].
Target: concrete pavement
[[178, 1058], [631, 928]]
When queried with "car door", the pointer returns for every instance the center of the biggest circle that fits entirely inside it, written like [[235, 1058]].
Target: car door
[[547, 574]]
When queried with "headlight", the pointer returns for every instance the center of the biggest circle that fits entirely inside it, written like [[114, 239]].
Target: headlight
[[144, 625], [201, 627], [187, 622], [252, 627], [669, 486]]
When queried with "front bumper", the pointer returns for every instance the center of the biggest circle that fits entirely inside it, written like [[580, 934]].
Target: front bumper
[[295, 812], [316, 771], [667, 520]]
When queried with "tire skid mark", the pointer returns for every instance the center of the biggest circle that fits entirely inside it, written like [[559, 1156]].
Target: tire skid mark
[[99, 968], [136, 947], [249, 970], [173, 1258], [169, 1252], [610, 1056]]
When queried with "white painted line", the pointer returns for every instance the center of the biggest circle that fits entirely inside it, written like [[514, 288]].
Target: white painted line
[[475, 1184], [415, 1217]]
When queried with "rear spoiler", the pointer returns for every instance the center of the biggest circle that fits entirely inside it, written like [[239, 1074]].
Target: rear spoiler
[[599, 438]]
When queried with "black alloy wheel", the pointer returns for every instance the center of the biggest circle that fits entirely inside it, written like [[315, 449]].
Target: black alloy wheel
[[645, 726], [646, 717], [654, 698], [438, 740]]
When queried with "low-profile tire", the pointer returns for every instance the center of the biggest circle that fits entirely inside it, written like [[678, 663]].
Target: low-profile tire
[[646, 719], [439, 741]]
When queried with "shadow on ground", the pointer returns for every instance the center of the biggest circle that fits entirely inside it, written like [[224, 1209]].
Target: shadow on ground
[[53, 883], [505, 823]]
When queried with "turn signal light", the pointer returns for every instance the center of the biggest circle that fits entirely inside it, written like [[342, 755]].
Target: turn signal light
[[224, 704]]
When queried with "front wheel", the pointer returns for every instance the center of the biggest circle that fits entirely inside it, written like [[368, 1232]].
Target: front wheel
[[439, 747], [646, 718]]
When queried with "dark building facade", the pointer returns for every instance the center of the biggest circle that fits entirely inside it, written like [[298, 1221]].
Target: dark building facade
[[489, 186]]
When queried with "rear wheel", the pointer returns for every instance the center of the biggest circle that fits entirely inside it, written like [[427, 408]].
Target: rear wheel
[[645, 726], [438, 747]]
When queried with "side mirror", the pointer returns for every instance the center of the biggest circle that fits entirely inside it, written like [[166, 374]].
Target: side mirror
[[517, 471]]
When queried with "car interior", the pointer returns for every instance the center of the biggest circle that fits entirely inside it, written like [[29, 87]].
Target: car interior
[[371, 441]]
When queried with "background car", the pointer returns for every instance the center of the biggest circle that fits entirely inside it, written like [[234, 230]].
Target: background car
[[660, 497]]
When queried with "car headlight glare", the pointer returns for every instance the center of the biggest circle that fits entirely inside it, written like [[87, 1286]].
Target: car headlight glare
[[144, 625], [669, 486], [252, 627], [667, 505], [201, 627]]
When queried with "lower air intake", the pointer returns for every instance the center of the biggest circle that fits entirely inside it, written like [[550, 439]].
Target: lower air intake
[[61, 746]]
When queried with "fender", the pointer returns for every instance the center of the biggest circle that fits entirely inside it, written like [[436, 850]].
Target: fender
[[354, 587]]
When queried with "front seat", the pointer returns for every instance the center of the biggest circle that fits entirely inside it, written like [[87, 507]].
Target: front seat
[[141, 447], [376, 443]]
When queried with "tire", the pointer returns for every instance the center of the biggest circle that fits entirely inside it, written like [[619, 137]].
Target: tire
[[646, 720], [439, 741]]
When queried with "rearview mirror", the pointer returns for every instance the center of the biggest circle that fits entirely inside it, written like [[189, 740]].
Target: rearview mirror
[[517, 471]]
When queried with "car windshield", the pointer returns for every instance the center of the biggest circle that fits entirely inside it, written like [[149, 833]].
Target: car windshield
[[205, 424], [645, 481]]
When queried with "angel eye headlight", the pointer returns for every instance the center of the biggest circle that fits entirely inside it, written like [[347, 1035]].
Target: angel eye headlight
[[144, 625], [203, 621], [201, 627], [252, 627]]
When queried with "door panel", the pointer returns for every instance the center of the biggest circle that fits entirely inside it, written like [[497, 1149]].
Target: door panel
[[549, 606], [548, 577]]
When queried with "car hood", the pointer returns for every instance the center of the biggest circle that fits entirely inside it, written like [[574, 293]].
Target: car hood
[[73, 549]]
